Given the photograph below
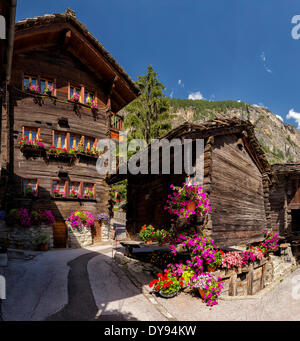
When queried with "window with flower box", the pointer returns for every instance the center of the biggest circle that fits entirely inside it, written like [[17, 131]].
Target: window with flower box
[[88, 142], [89, 97], [29, 80], [59, 139], [47, 87], [73, 92], [59, 188], [75, 190], [74, 140], [89, 191], [30, 187], [30, 133]]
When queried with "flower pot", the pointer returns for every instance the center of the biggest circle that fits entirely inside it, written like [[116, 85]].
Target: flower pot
[[168, 295], [191, 206], [202, 293], [148, 241], [44, 247], [211, 268]]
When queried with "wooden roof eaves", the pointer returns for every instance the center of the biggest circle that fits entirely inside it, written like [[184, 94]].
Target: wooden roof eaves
[[24, 26], [217, 128]]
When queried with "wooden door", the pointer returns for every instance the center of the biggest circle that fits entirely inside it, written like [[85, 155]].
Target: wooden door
[[96, 233], [60, 234]]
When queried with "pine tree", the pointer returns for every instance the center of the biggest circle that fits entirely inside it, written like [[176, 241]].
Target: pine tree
[[149, 117]]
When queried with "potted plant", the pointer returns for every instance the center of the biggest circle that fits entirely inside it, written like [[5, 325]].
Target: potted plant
[[73, 194], [57, 193], [103, 217], [75, 98], [187, 200], [167, 284], [78, 220], [208, 286], [35, 89], [48, 90], [88, 194], [161, 236], [41, 241], [147, 233], [216, 262]]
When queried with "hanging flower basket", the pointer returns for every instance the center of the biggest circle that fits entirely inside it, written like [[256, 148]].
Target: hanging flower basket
[[187, 200]]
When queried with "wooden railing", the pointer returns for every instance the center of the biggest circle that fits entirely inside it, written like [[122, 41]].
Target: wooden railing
[[117, 122]]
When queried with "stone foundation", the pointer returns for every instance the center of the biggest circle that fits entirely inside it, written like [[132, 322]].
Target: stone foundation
[[105, 231], [22, 237], [78, 238]]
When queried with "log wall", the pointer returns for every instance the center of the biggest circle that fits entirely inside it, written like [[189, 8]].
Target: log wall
[[45, 115], [237, 194]]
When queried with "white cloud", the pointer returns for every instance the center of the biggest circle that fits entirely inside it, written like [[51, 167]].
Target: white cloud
[[259, 105], [172, 94], [281, 119], [263, 56], [294, 115], [195, 95], [264, 60], [180, 83]]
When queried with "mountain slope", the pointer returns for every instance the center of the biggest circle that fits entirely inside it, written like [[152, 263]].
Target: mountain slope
[[280, 141]]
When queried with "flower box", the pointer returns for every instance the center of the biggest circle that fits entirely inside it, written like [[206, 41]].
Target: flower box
[[32, 150], [87, 157], [59, 154]]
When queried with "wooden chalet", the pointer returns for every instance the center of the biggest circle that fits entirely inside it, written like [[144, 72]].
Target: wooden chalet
[[285, 200], [237, 177], [57, 51]]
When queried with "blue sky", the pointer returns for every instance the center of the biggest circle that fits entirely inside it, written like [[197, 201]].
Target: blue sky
[[211, 49]]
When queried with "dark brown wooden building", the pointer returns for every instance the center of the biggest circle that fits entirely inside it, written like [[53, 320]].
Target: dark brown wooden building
[[285, 200], [57, 51], [237, 177]]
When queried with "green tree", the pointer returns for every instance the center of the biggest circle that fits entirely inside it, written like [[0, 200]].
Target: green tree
[[149, 117]]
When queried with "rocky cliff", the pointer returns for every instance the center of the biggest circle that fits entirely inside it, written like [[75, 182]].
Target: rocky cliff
[[280, 141]]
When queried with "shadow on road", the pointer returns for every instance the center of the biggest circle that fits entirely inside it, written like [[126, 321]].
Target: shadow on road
[[81, 302]]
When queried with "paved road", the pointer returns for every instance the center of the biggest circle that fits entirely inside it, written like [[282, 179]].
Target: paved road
[[73, 285], [86, 285]]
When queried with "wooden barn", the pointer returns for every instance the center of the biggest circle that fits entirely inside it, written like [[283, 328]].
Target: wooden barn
[[55, 59], [237, 177], [285, 200]]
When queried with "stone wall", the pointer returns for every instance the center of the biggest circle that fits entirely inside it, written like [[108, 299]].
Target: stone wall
[[22, 237], [105, 231], [79, 238]]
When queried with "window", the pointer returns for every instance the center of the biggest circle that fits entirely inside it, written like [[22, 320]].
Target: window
[[45, 83], [88, 97], [30, 133], [88, 191], [74, 189], [89, 142], [28, 80], [59, 139], [59, 188], [74, 140], [30, 187], [74, 90]]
